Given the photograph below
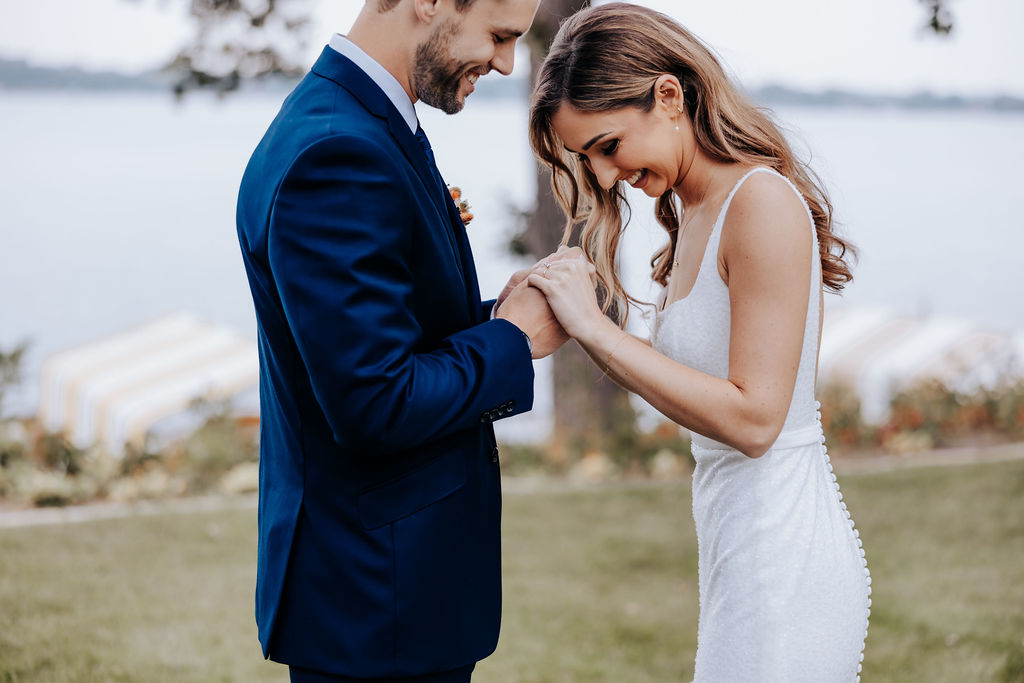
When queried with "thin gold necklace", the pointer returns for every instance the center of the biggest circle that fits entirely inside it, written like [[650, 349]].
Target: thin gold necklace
[[686, 222]]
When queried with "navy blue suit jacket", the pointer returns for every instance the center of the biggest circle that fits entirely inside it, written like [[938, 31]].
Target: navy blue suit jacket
[[380, 375]]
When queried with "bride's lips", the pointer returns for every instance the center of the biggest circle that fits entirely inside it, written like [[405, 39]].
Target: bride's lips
[[639, 179]]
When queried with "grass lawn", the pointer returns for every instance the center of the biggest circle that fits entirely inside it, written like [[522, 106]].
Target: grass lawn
[[600, 585]]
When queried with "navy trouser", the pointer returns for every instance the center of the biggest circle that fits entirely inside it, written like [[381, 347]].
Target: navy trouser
[[309, 676]]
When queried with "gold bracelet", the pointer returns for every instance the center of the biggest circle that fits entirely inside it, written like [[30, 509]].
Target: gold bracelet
[[615, 347]]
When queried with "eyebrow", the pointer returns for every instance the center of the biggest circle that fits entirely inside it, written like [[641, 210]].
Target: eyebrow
[[588, 145], [595, 139]]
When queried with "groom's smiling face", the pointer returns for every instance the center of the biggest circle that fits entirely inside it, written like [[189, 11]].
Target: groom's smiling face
[[467, 45]]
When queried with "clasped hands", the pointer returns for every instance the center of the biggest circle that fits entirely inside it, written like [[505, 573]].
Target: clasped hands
[[542, 300]]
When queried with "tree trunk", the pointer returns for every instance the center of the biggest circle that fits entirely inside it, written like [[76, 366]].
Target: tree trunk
[[591, 411]]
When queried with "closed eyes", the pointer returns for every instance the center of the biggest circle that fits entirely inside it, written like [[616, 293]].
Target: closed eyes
[[608, 150], [611, 148]]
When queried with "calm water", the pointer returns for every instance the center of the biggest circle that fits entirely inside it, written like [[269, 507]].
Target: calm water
[[117, 209]]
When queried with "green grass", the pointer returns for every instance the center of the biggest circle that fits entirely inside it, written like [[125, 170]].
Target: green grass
[[600, 585]]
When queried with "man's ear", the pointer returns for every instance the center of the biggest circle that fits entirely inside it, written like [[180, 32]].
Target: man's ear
[[668, 93], [427, 10]]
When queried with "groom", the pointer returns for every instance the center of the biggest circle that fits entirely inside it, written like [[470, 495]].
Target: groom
[[381, 370]]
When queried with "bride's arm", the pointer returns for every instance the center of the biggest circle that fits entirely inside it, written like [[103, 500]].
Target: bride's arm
[[766, 254]]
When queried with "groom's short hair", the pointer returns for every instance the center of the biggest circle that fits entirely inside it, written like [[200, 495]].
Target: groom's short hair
[[388, 5]]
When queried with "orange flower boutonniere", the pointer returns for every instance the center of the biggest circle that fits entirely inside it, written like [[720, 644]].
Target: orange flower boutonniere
[[461, 204]]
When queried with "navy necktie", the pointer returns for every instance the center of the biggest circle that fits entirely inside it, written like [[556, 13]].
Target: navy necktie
[[421, 136]]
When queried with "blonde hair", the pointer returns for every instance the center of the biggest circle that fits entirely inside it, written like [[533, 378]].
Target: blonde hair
[[609, 57]]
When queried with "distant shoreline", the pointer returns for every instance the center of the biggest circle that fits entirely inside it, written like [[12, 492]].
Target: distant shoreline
[[20, 76]]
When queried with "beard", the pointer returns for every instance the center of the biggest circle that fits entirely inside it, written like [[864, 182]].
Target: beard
[[437, 77]]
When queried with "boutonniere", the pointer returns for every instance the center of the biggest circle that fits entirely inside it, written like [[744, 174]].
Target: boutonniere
[[461, 204]]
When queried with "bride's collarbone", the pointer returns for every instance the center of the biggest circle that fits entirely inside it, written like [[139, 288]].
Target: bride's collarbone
[[690, 252]]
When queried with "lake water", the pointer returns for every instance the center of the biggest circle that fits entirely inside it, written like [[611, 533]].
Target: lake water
[[116, 209]]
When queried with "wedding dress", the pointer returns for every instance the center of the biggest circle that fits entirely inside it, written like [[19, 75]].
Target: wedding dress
[[784, 586]]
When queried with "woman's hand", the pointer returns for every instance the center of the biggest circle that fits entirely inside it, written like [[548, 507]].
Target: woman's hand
[[569, 286], [519, 277]]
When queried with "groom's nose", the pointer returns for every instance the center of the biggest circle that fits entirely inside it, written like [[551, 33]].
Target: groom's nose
[[504, 57]]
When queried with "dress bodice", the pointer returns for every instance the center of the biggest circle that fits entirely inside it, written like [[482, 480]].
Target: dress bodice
[[694, 330]]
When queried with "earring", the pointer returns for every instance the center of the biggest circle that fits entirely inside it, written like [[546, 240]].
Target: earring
[[680, 110]]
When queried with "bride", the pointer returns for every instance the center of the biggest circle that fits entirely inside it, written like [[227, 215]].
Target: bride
[[627, 95]]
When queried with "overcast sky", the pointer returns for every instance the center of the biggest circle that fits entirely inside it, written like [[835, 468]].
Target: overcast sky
[[876, 45]]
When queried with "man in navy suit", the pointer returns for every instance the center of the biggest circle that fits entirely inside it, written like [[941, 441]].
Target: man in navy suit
[[381, 370]]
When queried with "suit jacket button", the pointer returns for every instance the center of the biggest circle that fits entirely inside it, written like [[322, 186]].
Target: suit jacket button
[[494, 454]]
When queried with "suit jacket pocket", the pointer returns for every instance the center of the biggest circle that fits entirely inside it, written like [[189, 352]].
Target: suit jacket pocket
[[413, 491]]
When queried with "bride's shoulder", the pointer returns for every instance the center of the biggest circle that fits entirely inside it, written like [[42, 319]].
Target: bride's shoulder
[[766, 207], [765, 189]]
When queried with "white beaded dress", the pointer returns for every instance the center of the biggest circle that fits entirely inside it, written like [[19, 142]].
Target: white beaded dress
[[784, 586]]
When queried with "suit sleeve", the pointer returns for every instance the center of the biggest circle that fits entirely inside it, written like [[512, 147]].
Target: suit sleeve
[[339, 247]]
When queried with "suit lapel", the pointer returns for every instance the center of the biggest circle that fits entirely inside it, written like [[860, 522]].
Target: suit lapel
[[338, 68], [462, 239], [430, 176]]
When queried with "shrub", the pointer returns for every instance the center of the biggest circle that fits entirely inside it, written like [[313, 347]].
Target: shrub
[[221, 443], [926, 414], [841, 418], [951, 417]]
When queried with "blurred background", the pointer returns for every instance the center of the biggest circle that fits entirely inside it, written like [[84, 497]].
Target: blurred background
[[127, 124], [127, 334]]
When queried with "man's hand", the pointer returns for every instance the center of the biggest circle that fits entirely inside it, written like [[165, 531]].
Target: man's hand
[[521, 275], [527, 309], [512, 283]]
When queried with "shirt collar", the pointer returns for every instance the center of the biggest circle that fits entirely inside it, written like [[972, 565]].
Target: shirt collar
[[379, 75]]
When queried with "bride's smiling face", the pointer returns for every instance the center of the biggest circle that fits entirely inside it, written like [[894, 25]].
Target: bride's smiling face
[[641, 148]]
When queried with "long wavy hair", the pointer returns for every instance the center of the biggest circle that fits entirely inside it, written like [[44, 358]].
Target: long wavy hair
[[609, 57]]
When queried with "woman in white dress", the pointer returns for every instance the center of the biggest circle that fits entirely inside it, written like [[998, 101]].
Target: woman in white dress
[[627, 95]]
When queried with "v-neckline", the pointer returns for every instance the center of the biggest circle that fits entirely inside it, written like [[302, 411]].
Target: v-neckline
[[719, 219]]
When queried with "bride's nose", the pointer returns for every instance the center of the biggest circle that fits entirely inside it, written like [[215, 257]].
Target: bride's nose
[[606, 172]]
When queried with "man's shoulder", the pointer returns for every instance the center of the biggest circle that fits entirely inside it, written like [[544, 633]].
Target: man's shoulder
[[319, 100], [320, 112]]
